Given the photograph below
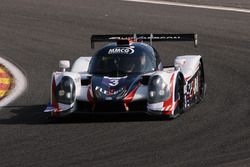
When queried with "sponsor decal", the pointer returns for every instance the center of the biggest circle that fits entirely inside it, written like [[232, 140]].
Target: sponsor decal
[[122, 50], [193, 87], [109, 92]]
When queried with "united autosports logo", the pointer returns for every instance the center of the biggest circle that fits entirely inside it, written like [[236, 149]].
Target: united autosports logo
[[122, 50]]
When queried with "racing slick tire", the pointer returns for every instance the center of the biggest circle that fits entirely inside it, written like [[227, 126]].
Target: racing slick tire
[[179, 97], [201, 85]]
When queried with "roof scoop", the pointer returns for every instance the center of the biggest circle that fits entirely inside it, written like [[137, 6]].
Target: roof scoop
[[123, 42]]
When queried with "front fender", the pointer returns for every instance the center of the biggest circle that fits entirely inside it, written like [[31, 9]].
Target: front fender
[[55, 104], [165, 106]]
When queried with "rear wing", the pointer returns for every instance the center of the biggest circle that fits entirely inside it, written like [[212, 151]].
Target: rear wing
[[144, 37]]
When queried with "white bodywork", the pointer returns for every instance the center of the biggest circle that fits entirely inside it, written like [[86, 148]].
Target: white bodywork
[[187, 65], [81, 65]]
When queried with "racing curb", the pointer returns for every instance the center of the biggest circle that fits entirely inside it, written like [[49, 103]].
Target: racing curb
[[12, 82], [6, 81]]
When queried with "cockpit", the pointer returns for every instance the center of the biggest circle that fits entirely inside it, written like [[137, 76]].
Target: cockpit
[[113, 60]]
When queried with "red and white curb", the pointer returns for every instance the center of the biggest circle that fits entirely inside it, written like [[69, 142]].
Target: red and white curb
[[12, 80], [6, 81]]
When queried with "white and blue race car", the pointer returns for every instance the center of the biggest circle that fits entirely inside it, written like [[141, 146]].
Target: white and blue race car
[[127, 75]]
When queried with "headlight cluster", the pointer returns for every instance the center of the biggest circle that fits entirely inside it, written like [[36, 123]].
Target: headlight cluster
[[158, 90], [65, 91]]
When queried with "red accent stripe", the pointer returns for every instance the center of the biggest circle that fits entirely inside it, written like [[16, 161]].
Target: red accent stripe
[[169, 101], [89, 97], [167, 112], [187, 78], [54, 101], [130, 96], [5, 86]]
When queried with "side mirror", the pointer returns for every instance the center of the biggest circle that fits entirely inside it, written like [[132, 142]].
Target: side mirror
[[64, 64]]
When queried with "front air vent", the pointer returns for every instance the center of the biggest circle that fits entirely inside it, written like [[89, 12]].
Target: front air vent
[[123, 42], [86, 81], [144, 80]]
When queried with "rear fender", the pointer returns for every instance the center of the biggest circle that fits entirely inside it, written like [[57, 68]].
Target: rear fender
[[188, 65]]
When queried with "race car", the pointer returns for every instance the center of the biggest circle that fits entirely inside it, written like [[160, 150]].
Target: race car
[[127, 76]]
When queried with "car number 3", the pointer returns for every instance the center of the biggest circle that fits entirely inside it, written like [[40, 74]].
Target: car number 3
[[113, 82]]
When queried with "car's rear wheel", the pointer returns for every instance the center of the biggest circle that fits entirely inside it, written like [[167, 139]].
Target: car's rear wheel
[[201, 85]]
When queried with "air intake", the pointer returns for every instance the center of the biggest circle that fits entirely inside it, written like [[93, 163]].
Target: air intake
[[123, 42]]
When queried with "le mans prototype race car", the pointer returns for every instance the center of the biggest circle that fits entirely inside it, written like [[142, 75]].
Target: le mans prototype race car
[[127, 75]]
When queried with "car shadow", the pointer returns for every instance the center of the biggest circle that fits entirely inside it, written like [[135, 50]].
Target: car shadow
[[35, 115]]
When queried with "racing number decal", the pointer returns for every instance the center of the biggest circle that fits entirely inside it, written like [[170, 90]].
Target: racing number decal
[[113, 82], [110, 81]]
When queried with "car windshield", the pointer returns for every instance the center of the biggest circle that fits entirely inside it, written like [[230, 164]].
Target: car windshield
[[121, 64]]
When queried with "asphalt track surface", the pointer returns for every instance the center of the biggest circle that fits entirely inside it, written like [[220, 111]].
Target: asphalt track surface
[[35, 35]]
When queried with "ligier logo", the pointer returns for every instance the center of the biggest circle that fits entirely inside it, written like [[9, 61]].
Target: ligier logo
[[123, 50]]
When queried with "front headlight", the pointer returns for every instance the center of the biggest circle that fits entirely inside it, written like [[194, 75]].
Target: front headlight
[[158, 90], [65, 91]]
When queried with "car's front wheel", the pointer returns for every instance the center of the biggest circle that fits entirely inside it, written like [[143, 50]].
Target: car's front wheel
[[179, 98]]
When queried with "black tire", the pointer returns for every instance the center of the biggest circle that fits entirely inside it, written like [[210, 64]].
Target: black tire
[[179, 95], [201, 85]]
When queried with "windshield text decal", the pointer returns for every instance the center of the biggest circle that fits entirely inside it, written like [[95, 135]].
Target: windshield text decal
[[124, 50]]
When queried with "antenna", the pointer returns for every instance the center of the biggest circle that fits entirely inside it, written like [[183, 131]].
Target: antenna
[[135, 37], [151, 39], [195, 40]]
